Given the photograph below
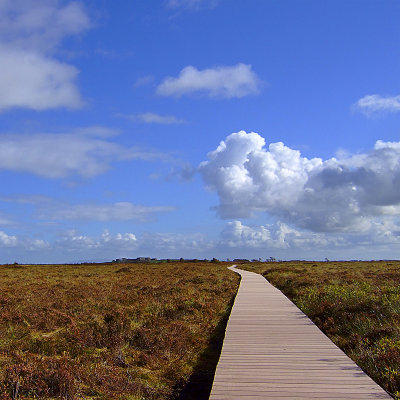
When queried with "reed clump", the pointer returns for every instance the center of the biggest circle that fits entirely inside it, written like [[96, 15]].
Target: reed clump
[[106, 331]]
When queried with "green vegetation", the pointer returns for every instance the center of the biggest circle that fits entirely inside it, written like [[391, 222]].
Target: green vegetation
[[356, 304], [111, 331]]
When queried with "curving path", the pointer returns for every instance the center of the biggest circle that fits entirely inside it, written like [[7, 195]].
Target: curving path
[[274, 351]]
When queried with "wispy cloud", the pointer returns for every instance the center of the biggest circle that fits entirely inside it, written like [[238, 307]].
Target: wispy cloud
[[97, 131], [21, 243], [144, 80], [48, 208], [156, 244], [120, 211], [152, 118], [376, 104], [5, 220], [236, 240], [30, 33], [85, 152], [191, 4], [224, 81]]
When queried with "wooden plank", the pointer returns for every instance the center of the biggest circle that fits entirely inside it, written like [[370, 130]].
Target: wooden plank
[[274, 351]]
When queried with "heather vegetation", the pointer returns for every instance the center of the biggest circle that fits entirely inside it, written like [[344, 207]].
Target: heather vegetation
[[111, 331], [357, 304]]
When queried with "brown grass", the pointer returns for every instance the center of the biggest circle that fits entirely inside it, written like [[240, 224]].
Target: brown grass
[[357, 304], [107, 331]]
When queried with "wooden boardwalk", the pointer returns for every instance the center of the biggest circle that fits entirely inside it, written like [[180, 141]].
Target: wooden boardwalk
[[274, 351]]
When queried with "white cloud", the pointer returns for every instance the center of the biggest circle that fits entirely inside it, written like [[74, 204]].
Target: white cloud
[[36, 244], [34, 81], [30, 34], [224, 81], [375, 104], [379, 241], [57, 210], [119, 237], [120, 211], [7, 240], [344, 195], [236, 240], [152, 118], [108, 245], [42, 25], [237, 234], [83, 152], [248, 177], [73, 240], [277, 236], [173, 244], [23, 244]]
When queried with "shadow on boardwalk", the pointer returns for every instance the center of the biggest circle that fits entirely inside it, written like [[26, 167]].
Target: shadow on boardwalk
[[199, 385]]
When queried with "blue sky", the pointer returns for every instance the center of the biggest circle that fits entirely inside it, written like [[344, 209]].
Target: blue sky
[[199, 128]]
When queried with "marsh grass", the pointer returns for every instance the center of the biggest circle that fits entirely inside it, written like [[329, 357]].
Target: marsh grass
[[108, 331], [356, 304]]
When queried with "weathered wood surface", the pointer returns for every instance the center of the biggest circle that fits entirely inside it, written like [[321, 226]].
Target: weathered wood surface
[[274, 351]]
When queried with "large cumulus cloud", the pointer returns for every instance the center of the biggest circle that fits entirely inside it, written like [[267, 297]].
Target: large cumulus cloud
[[335, 195]]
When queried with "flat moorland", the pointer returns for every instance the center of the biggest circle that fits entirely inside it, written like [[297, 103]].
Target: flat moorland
[[104, 331], [356, 304]]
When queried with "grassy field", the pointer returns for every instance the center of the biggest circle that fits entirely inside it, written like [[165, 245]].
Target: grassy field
[[357, 304], [111, 331]]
